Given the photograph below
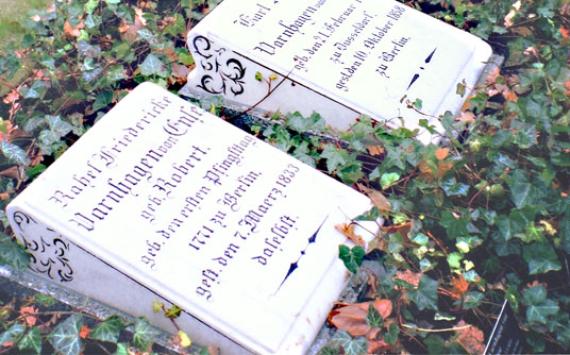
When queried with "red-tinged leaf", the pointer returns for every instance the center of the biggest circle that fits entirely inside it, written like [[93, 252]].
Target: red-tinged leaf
[[377, 346], [564, 32], [84, 332], [410, 277], [470, 338], [567, 87], [510, 95], [384, 307], [12, 97], [493, 75], [29, 314], [353, 318], [8, 344]]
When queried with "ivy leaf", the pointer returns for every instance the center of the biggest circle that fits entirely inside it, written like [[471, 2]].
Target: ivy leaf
[[152, 65], [373, 318], [65, 337], [12, 334], [352, 258], [388, 179], [108, 330], [565, 232], [335, 157], [534, 295], [454, 260], [539, 313], [541, 258], [425, 297], [12, 254], [144, 334], [452, 188], [391, 337], [520, 189], [14, 153], [122, 349], [31, 341], [350, 346]]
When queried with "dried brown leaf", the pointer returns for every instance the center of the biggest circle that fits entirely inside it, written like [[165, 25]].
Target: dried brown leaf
[[378, 199]]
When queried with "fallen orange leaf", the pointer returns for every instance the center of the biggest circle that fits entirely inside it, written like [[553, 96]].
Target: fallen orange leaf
[[348, 231], [375, 150], [441, 153], [73, 31], [460, 287]]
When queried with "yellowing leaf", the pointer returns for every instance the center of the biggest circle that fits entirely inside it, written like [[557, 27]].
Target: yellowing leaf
[[184, 339], [157, 306], [548, 228]]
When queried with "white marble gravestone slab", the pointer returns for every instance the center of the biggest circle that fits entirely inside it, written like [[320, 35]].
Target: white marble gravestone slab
[[336, 57], [162, 200]]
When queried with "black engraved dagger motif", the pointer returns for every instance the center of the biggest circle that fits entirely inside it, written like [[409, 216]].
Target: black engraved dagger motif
[[295, 264], [416, 75]]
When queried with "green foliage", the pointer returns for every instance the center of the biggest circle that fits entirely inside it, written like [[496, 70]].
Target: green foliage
[[349, 345], [109, 330], [144, 334], [12, 254], [488, 217], [352, 258], [65, 336], [483, 220], [32, 341]]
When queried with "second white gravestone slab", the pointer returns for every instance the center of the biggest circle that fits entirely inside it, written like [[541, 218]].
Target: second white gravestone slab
[[339, 58], [162, 200]]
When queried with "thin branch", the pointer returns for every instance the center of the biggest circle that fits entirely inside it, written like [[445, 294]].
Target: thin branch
[[442, 330]]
